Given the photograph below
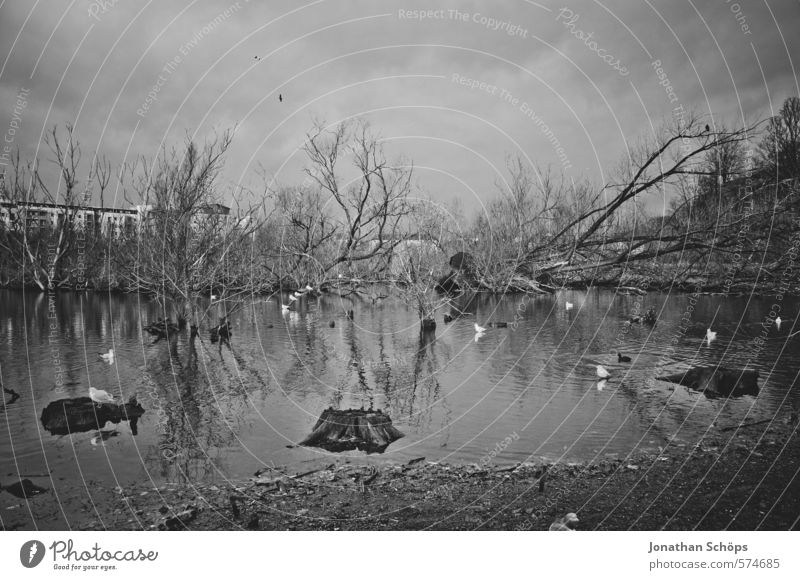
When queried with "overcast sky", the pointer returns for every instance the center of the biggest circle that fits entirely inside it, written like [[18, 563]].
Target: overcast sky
[[93, 64]]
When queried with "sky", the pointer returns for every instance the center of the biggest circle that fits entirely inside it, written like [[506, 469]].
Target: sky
[[455, 88]]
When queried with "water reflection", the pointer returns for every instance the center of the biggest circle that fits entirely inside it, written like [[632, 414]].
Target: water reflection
[[213, 412]]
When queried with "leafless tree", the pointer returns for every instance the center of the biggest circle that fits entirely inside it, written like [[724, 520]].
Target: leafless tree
[[189, 244]]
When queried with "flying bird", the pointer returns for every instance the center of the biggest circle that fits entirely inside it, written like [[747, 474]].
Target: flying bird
[[601, 384], [108, 356], [280, 98], [100, 397], [570, 305], [287, 307], [708, 128], [778, 322], [479, 329], [565, 524], [710, 335], [623, 358], [602, 372]]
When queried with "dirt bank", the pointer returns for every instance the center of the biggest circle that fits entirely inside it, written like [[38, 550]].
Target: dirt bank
[[743, 479]]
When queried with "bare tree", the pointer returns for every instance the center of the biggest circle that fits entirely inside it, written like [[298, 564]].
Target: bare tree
[[369, 206], [189, 243]]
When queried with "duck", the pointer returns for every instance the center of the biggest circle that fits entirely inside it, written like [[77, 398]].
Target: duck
[[479, 329], [570, 305], [100, 397], [710, 335], [602, 372], [565, 524], [778, 322], [108, 356], [622, 358]]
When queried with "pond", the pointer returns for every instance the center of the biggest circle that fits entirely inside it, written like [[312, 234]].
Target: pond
[[526, 392]]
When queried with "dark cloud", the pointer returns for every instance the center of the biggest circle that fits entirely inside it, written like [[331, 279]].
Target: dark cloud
[[384, 62]]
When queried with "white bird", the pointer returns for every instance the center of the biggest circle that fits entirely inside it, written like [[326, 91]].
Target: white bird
[[479, 335], [602, 372], [296, 295], [710, 335], [213, 297], [778, 322], [601, 384], [565, 524], [479, 329], [99, 396], [287, 307], [308, 288], [108, 356], [570, 305]]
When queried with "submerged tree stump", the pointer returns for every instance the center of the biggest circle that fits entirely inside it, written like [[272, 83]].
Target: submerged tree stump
[[349, 429], [81, 414], [716, 382]]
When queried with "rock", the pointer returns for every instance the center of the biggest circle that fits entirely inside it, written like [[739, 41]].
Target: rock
[[716, 382]]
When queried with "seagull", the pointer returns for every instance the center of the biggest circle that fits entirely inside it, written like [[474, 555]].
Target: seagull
[[108, 356], [479, 329], [99, 396], [602, 372], [565, 524], [623, 358], [710, 335], [778, 322], [308, 288], [570, 305]]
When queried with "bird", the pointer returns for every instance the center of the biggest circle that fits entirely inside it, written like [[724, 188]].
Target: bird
[[100, 396], [623, 358], [570, 305], [708, 128], [710, 335], [602, 372], [778, 322], [565, 524], [108, 356], [308, 288], [479, 329], [280, 98], [213, 297], [332, 324], [601, 384], [447, 318], [287, 307]]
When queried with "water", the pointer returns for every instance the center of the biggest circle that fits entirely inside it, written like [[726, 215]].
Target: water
[[521, 393]]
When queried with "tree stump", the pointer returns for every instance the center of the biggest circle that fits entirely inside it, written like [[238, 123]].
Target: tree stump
[[349, 429]]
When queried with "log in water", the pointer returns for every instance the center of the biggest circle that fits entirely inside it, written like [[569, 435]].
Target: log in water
[[81, 414], [717, 381]]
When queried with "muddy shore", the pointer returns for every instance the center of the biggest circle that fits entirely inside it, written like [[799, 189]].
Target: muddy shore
[[739, 479]]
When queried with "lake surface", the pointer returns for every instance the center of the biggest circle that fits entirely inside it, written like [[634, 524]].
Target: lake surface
[[516, 394]]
